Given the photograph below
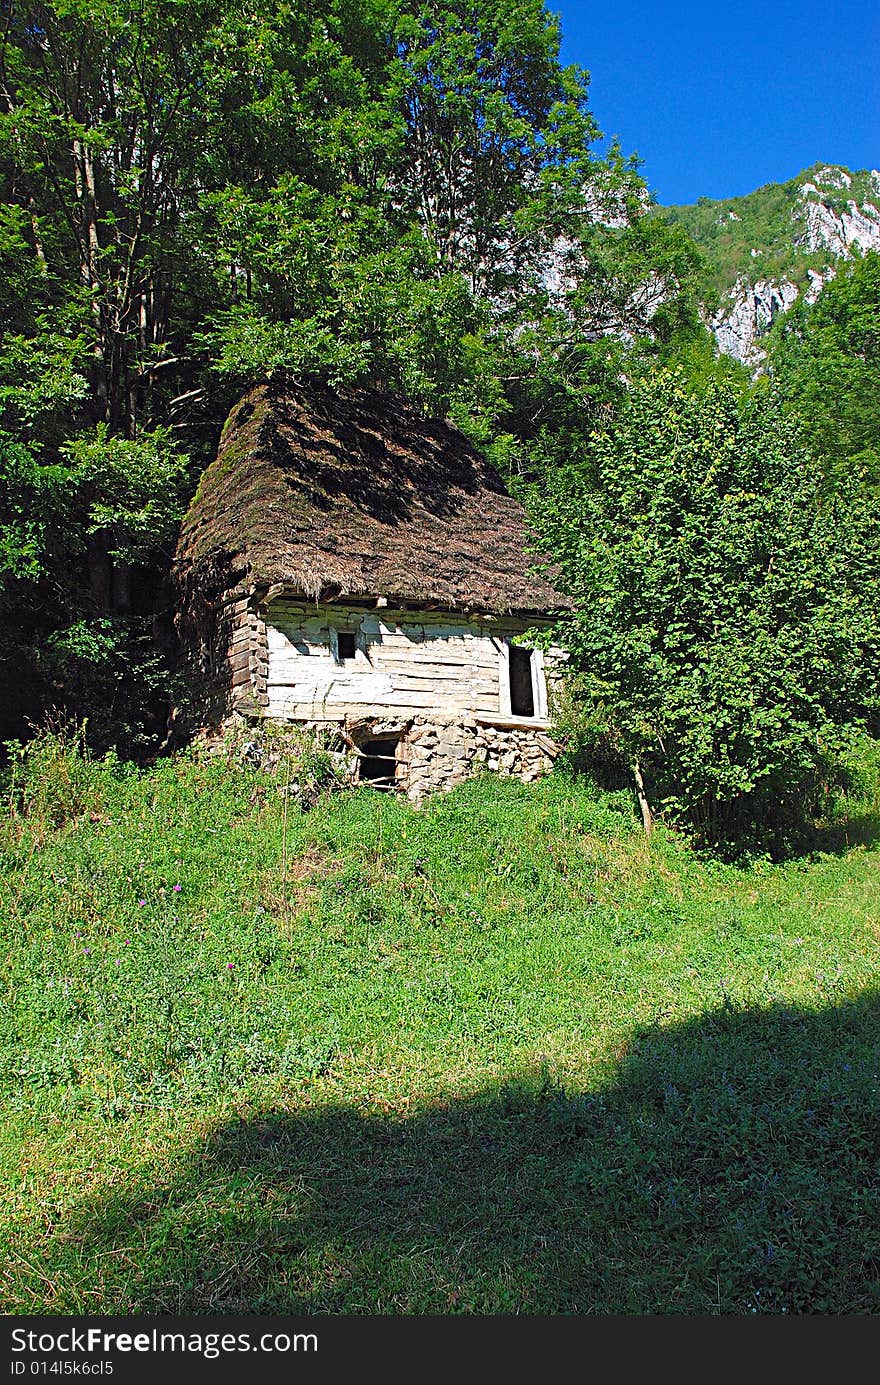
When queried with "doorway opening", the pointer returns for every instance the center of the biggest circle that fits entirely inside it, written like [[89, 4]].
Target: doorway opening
[[522, 691]]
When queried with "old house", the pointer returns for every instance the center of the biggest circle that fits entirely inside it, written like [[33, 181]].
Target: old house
[[346, 563]]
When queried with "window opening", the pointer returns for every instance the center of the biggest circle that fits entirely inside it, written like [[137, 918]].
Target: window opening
[[378, 763], [345, 644], [522, 696]]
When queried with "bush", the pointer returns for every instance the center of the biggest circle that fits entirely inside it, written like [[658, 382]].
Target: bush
[[53, 779], [725, 605], [304, 763]]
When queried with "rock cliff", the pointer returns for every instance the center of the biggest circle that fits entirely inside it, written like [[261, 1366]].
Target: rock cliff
[[779, 243]]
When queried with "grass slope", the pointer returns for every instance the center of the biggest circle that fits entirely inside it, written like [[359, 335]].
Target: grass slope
[[497, 1055]]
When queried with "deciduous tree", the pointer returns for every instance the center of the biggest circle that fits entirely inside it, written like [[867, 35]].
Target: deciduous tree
[[726, 602]]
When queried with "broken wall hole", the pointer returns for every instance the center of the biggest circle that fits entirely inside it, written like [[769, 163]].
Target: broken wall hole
[[378, 763]]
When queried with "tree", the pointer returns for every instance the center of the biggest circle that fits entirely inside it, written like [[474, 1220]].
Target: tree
[[825, 361], [495, 159], [726, 600], [121, 124], [102, 118]]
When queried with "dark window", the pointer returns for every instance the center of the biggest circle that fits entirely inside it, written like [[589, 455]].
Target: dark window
[[379, 763], [522, 698], [345, 644]]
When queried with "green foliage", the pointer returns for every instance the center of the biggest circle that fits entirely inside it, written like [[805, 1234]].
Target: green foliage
[[52, 780], [195, 196], [760, 236], [115, 666], [132, 488], [305, 764], [825, 361], [497, 135], [726, 601], [28, 495], [41, 377]]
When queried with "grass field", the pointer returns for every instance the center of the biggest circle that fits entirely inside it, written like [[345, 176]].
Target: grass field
[[497, 1055]]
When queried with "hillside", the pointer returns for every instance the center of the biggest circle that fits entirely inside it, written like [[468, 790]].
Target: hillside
[[500, 1055], [777, 243]]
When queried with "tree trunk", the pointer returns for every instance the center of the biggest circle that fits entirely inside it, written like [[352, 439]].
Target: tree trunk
[[121, 587], [38, 238], [100, 571], [647, 815], [90, 254]]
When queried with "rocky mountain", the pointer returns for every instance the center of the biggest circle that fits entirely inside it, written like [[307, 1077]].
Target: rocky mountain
[[778, 243]]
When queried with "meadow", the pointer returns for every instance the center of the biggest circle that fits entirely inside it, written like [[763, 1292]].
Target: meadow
[[500, 1054]]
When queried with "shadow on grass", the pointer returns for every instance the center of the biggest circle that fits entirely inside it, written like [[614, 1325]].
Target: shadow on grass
[[731, 1167], [837, 838], [784, 831]]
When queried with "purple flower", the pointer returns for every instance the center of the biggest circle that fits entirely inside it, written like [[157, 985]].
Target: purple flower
[[142, 902], [127, 942], [87, 949], [177, 889], [117, 961], [229, 966]]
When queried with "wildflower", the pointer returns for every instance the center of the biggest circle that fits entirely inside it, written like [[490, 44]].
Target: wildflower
[[142, 902], [177, 889], [87, 949], [229, 966], [127, 942], [117, 961]]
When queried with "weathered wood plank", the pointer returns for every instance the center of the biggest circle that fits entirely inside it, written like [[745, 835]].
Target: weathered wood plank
[[397, 700], [413, 664], [379, 680], [452, 673], [441, 652]]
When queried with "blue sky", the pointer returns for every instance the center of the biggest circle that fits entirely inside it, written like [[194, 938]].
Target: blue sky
[[718, 100]]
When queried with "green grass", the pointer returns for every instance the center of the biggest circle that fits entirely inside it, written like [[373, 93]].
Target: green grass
[[497, 1055]]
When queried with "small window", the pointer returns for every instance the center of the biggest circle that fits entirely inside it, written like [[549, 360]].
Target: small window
[[522, 696], [379, 763], [346, 645]]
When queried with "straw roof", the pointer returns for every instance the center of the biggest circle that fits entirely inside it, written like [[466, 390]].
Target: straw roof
[[347, 495]]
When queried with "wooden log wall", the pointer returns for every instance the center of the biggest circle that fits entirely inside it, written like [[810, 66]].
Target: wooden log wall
[[410, 662]]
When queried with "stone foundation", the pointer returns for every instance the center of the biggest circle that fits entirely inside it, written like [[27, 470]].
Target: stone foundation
[[442, 755], [434, 754], [431, 754]]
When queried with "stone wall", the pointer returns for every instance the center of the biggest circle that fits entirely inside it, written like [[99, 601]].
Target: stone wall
[[432, 754], [435, 754]]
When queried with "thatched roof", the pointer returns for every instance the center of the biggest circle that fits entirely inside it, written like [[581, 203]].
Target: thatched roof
[[346, 495]]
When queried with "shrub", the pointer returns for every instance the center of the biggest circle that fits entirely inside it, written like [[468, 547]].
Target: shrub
[[53, 779], [725, 605]]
